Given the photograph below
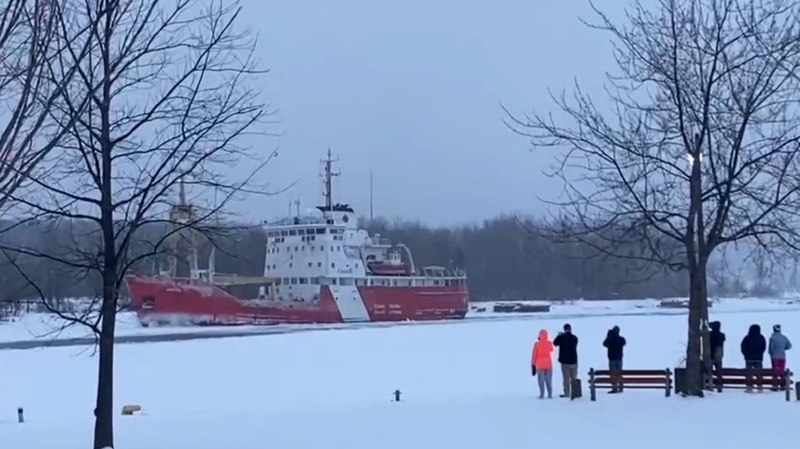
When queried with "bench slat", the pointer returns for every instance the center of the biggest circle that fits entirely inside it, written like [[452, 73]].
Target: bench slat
[[655, 381], [742, 381], [634, 372], [741, 372], [633, 387]]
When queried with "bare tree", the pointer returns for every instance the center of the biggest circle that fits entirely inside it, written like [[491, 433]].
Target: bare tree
[[31, 43], [696, 143], [171, 104]]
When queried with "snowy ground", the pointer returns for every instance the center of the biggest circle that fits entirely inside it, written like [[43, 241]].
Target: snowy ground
[[45, 326], [466, 386]]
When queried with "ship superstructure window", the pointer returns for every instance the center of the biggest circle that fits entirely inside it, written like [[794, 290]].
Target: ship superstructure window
[[314, 281], [292, 232], [284, 233], [345, 281], [320, 230], [302, 281]]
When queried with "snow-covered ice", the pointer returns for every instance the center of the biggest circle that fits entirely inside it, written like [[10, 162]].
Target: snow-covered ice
[[466, 386], [47, 326]]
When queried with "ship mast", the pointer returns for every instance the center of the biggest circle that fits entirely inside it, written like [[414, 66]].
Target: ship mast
[[329, 175], [182, 216], [371, 217]]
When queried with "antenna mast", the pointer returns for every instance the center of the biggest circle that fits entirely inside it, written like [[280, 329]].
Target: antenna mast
[[329, 175], [371, 216]]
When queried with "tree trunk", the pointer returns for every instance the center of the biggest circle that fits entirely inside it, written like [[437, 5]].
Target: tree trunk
[[694, 365], [104, 407], [704, 320]]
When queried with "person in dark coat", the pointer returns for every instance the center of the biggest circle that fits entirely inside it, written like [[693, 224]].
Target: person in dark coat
[[615, 343], [754, 345], [717, 342], [567, 344]]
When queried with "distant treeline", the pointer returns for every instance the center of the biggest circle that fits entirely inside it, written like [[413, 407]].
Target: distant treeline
[[505, 260]]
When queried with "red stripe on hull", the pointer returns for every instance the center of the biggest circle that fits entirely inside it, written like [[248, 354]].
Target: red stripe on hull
[[415, 303], [181, 301]]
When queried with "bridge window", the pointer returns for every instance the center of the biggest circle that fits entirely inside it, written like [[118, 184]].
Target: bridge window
[[320, 230], [294, 281], [301, 232], [284, 233], [302, 281], [293, 232], [345, 281]]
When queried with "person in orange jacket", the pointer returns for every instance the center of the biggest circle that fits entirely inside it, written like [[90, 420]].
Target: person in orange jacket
[[542, 363]]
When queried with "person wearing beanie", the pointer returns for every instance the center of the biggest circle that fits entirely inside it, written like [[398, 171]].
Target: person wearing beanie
[[717, 343], [778, 345], [615, 344], [567, 344], [753, 347]]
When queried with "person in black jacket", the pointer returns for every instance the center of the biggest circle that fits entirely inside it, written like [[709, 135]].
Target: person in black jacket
[[615, 343], [753, 347], [717, 343], [567, 344]]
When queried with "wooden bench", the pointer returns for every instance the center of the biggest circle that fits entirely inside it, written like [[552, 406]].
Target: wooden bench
[[740, 378], [640, 379]]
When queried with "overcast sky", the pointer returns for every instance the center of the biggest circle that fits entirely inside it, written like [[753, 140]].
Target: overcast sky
[[412, 91]]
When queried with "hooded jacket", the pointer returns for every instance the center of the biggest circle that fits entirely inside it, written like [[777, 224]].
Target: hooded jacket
[[717, 340], [615, 343], [754, 345], [778, 345], [542, 353]]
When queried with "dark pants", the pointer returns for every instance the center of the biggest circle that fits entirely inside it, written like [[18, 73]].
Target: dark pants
[[615, 367], [754, 367]]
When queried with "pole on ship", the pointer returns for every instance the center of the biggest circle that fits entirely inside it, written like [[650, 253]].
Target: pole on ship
[[371, 215], [329, 174]]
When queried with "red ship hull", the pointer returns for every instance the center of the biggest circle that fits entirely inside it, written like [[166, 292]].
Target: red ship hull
[[173, 301]]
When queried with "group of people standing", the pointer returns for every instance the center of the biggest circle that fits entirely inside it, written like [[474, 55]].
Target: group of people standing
[[753, 347], [567, 344]]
